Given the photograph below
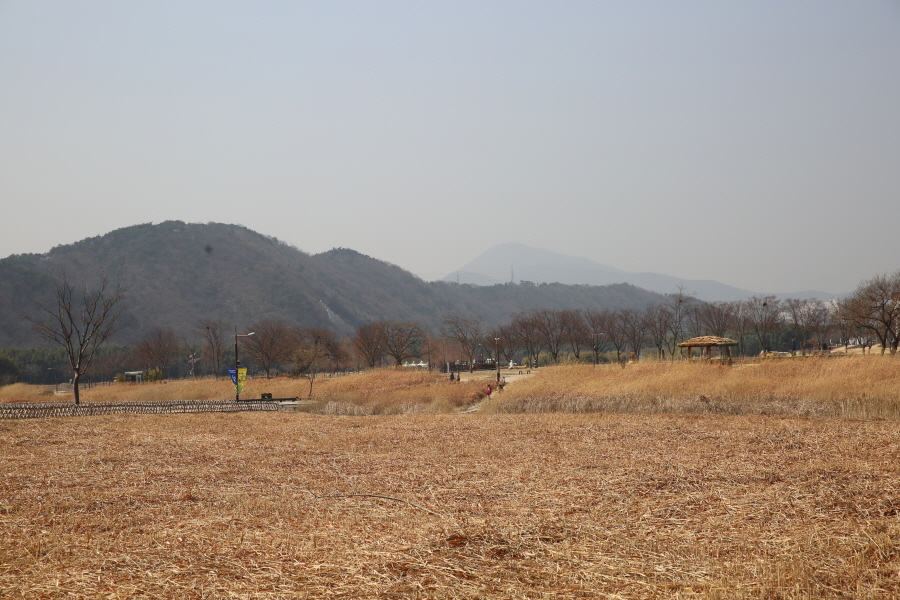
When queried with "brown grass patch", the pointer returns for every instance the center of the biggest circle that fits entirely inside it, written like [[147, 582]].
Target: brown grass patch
[[856, 387], [22, 392], [524, 506], [378, 391]]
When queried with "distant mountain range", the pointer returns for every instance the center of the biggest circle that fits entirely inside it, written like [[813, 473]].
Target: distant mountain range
[[179, 273], [518, 262]]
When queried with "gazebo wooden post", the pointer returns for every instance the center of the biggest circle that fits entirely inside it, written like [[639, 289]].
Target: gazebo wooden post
[[705, 343]]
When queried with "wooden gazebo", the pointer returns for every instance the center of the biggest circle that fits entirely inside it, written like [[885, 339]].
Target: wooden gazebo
[[708, 341]]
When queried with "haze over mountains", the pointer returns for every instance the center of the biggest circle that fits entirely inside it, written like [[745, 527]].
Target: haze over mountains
[[179, 273], [519, 262]]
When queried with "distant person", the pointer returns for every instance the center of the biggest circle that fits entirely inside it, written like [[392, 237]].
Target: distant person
[[489, 391]]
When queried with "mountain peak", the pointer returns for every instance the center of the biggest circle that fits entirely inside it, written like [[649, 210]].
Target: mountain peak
[[517, 261], [520, 262]]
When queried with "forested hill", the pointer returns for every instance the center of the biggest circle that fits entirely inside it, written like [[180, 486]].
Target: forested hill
[[179, 273]]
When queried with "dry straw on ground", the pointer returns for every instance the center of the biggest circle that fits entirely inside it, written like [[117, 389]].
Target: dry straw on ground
[[288, 505]]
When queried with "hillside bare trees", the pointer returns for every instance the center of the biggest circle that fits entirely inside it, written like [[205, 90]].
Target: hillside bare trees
[[550, 325], [272, 342], [874, 308], [764, 313], [158, 348], [598, 324], [467, 334], [80, 320], [401, 339], [657, 318], [506, 341], [369, 343], [529, 335], [214, 346]]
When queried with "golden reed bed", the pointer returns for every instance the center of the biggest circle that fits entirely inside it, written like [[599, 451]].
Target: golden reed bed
[[855, 387], [291, 505]]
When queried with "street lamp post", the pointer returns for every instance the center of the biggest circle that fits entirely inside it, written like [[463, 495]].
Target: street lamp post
[[237, 363]]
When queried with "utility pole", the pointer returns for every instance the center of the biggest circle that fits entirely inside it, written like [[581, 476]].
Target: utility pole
[[237, 363]]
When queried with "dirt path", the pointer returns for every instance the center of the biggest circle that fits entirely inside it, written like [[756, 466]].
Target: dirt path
[[507, 375]]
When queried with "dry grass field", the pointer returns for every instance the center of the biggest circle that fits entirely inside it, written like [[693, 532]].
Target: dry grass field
[[381, 391], [288, 505], [689, 499], [853, 386]]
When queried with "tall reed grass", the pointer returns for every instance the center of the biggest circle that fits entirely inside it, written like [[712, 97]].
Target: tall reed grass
[[857, 387], [23, 392], [854, 387]]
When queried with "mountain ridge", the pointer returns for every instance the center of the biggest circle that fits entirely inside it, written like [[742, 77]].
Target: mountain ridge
[[539, 265], [178, 273]]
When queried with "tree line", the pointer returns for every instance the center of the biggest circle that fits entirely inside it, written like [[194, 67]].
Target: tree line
[[82, 320]]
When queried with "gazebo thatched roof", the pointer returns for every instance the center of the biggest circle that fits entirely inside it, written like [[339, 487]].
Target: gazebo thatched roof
[[707, 340]]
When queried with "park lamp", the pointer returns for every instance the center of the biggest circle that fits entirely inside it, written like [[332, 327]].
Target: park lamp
[[237, 363]]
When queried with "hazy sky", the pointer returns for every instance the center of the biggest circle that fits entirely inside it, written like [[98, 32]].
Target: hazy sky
[[756, 143]]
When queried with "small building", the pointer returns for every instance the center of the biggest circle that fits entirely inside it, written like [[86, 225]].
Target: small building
[[134, 377], [709, 342]]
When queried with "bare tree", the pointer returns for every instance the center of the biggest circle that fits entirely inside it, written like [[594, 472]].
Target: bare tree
[[634, 327], [271, 344], [575, 331], [430, 349], [549, 324], [81, 321], [715, 317], [693, 320], [329, 347], [875, 308], [680, 305], [158, 349], [315, 350], [764, 313], [818, 320], [525, 326], [370, 343], [617, 334], [401, 339], [467, 333], [505, 337], [213, 334], [844, 324], [657, 318], [808, 318], [110, 361], [740, 322], [599, 323]]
